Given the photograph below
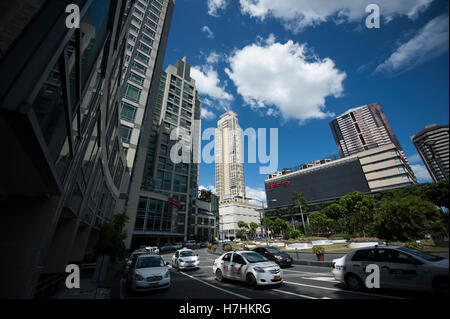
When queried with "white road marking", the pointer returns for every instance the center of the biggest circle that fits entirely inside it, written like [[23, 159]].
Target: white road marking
[[294, 294], [327, 279], [336, 289], [310, 273], [213, 286]]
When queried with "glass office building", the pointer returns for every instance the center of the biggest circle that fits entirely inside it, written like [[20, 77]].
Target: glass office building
[[63, 165], [165, 208]]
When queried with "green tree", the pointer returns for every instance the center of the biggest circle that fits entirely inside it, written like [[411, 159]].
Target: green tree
[[358, 209], [253, 226], [320, 223], [280, 226], [239, 234], [337, 213], [300, 201], [111, 238], [205, 195], [243, 226], [294, 234], [405, 218]]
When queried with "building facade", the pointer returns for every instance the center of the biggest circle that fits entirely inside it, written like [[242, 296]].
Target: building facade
[[231, 213], [229, 158], [378, 169], [432, 143], [145, 46], [162, 206], [62, 173], [362, 128]]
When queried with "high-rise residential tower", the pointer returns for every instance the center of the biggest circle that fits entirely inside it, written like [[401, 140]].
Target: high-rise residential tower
[[230, 182], [145, 49], [63, 164], [361, 129], [432, 143], [162, 197]]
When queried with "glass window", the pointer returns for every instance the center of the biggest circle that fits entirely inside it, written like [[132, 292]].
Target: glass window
[[94, 27], [139, 67], [145, 48], [147, 40], [227, 257], [149, 31], [136, 78], [142, 57], [126, 133], [238, 259], [364, 255], [128, 112], [133, 93]]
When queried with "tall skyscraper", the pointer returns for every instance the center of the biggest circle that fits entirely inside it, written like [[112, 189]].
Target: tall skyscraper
[[361, 129], [432, 143], [162, 198], [230, 182], [145, 49], [63, 166]]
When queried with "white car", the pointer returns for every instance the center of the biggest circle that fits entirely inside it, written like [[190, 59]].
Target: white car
[[185, 259], [148, 272], [152, 249], [400, 268], [133, 254], [247, 266]]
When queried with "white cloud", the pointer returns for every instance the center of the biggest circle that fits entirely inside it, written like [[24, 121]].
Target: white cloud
[[214, 6], [208, 32], [429, 42], [207, 114], [287, 77], [421, 172], [213, 58], [257, 193], [208, 83], [299, 14]]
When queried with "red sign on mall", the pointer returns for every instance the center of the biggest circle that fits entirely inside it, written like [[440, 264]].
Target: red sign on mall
[[280, 183]]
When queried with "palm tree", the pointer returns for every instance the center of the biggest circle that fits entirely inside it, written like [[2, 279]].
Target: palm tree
[[301, 202]]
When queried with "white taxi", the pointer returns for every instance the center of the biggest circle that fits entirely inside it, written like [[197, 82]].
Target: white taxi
[[148, 272], [247, 266], [185, 259], [400, 268]]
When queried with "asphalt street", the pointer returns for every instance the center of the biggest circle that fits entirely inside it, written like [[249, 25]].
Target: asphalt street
[[300, 282]]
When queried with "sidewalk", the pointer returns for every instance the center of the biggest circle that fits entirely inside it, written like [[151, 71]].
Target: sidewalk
[[90, 289]]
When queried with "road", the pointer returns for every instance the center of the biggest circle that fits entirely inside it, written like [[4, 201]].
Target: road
[[301, 282]]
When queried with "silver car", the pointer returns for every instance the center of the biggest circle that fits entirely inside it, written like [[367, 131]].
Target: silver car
[[399, 268], [148, 272]]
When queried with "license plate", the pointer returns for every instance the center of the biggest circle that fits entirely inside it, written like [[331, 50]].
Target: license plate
[[277, 278], [154, 285]]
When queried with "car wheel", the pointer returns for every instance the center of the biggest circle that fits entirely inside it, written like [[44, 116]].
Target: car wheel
[[219, 275], [440, 286], [353, 282], [251, 281]]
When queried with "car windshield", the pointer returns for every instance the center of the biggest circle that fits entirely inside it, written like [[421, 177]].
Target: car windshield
[[254, 257], [186, 254], [420, 254], [148, 262], [273, 250]]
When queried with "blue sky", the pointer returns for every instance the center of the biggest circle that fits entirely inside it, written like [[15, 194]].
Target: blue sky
[[319, 59]]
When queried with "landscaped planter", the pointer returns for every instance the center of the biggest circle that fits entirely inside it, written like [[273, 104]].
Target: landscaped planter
[[320, 257], [299, 246], [322, 242], [362, 244], [338, 241]]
